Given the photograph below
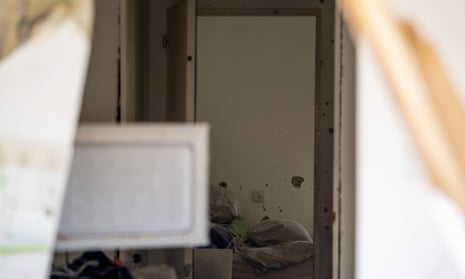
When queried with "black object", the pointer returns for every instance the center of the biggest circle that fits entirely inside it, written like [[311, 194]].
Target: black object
[[220, 237], [99, 266]]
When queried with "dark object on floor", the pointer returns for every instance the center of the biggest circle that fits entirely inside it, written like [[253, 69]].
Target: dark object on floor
[[92, 265], [220, 237]]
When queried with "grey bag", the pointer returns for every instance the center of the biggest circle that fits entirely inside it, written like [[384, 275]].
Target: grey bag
[[272, 231], [224, 207], [277, 256]]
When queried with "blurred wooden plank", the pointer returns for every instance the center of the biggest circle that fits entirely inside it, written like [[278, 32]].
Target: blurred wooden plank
[[421, 89]]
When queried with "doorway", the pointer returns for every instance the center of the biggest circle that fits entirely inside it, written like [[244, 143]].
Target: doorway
[[257, 79]]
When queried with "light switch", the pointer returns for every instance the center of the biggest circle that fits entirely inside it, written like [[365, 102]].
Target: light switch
[[258, 196]]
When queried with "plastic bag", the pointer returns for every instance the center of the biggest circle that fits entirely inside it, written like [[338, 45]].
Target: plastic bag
[[277, 256], [271, 232], [224, 207]]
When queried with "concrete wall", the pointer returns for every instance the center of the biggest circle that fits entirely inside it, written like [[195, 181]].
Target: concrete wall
[[256, 87], [148, 91]]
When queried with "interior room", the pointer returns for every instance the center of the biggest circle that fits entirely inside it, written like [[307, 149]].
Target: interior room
[[262, 74], [232, 139]]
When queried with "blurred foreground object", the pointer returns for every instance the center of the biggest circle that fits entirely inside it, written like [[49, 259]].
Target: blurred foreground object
[[26, 19], [44, 50], [409, 138], [136, 186], [422, 90]]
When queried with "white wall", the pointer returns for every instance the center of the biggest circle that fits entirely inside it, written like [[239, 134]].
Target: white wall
[[101, 91], [256, 86], [405, 227]]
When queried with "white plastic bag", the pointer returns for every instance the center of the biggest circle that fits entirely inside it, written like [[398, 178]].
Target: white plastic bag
[[275, 231], [277, 256], [224, 207]]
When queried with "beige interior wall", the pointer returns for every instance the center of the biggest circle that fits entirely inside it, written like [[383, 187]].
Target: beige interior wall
[[101, 91], [156, 60], [256, 87], [324, 120], [147, 91], [153, 103]]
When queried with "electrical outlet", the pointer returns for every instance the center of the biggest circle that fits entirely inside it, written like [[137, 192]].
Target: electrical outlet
[[258, 196]]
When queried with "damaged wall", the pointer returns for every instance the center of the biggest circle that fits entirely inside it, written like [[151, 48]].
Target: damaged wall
[[155, 94], [324, 124], [256, 87]]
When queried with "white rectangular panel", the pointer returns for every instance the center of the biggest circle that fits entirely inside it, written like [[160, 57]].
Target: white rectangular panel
[[136, 186]]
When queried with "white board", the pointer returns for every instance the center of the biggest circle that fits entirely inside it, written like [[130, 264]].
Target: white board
[[137, 186]]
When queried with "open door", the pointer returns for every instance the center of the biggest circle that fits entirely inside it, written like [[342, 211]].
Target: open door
[[181, 50]]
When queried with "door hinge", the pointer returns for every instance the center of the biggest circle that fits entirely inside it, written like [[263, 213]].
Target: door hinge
[[165, 41]]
